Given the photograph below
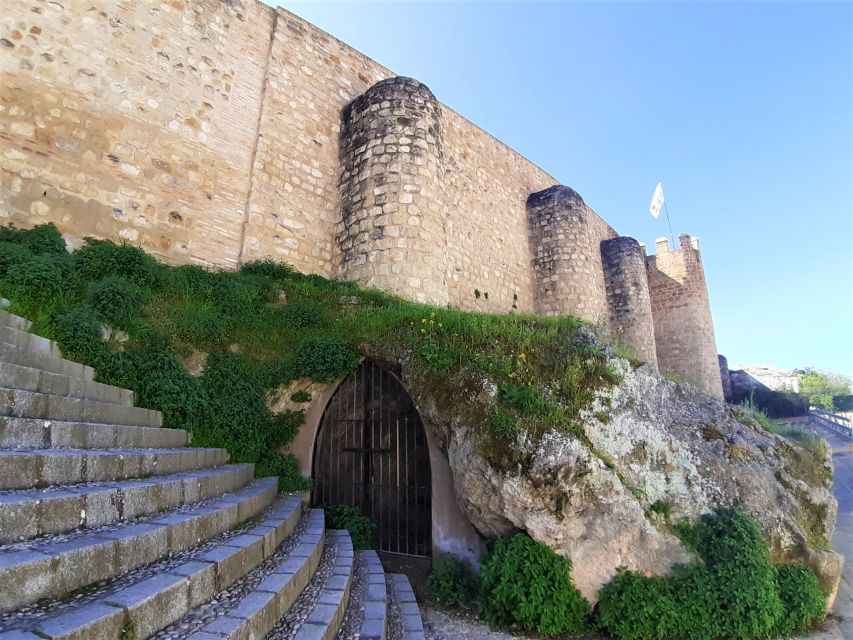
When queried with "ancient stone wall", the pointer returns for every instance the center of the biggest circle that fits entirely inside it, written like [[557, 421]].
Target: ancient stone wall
[[684, 330], [565, 240], [628, 299], [294, 208], [485, 188], [212, 132], [132, 121]]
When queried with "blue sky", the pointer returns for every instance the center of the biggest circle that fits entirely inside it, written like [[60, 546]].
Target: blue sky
[[743, 109]]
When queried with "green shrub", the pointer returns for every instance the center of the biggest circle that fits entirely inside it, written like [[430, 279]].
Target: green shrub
[[504, 424], [237, 296], [39, 280], [300, 396], [635, 607], [736, 594], [325, 358], [804, 604], [44, 239], [269, 269], [78, 334], [151, 337], [190, 281], [523, 398], [361, 528], [525, 583], [283, 427], [739, 560], [694, 594], [12, 257], [115, 300], [116, 368], [451, 581], [661, 507], [160, 382], [274, 373], [300, 315], [203, 328], [97, 259], [286, 467], [237, 414]]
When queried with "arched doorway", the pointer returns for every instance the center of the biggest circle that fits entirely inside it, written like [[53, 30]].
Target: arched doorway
[[371, 452]]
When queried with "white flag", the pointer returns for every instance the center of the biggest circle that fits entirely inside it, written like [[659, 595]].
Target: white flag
[[657, 201]]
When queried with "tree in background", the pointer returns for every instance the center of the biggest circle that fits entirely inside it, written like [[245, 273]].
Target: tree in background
[[821, 386]]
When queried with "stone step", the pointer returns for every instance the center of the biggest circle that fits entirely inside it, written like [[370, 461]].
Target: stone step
[[34, 433], [374, 604], [13, 376], [24, 469], [16, 322], [29, 341], [31, 404], [252, 605], [324, 619], [31, 513], [25, 358], [402, 599], [141, 607], [55, 566]]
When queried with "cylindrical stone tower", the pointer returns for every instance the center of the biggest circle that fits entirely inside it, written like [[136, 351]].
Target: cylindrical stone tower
[[628, 298], [393, 235], [564, 241]]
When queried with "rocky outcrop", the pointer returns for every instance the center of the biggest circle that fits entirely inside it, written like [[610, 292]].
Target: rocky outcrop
[[648, 446]]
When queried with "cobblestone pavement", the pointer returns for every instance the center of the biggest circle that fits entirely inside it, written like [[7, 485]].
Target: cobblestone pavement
[[443, 625], [224, 601], [354, 615], [289, 625]]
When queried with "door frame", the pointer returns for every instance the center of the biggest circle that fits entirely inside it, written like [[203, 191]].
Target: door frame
[[452, 532]]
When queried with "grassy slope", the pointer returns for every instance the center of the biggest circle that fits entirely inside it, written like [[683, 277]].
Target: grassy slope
[[161, 316]]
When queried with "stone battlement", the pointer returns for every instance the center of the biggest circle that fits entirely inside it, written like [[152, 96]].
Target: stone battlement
[[217, 133]]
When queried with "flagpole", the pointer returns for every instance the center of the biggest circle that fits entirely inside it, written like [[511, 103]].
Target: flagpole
[[671, 235]]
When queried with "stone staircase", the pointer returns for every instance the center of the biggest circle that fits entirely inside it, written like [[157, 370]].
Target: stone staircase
[[113, 528]]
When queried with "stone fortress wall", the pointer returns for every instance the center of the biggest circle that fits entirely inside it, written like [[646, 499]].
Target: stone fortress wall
[[217, 132]]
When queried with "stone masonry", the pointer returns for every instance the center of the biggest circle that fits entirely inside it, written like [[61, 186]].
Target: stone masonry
[[392, 206], [684, 329], [217, 133], [628, 296]]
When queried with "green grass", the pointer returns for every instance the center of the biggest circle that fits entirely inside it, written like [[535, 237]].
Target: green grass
[[548, 370]]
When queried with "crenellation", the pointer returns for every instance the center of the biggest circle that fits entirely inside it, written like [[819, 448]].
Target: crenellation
[[684, 329], [218, 133]]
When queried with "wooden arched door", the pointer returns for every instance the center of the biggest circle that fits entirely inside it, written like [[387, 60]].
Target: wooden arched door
[[371, 452]]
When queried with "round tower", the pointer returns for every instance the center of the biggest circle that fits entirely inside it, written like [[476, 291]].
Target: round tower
[[564, 240], [628, 299], [392, 232]]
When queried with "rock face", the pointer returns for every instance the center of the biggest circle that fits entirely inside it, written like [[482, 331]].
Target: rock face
[[646, 441]]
